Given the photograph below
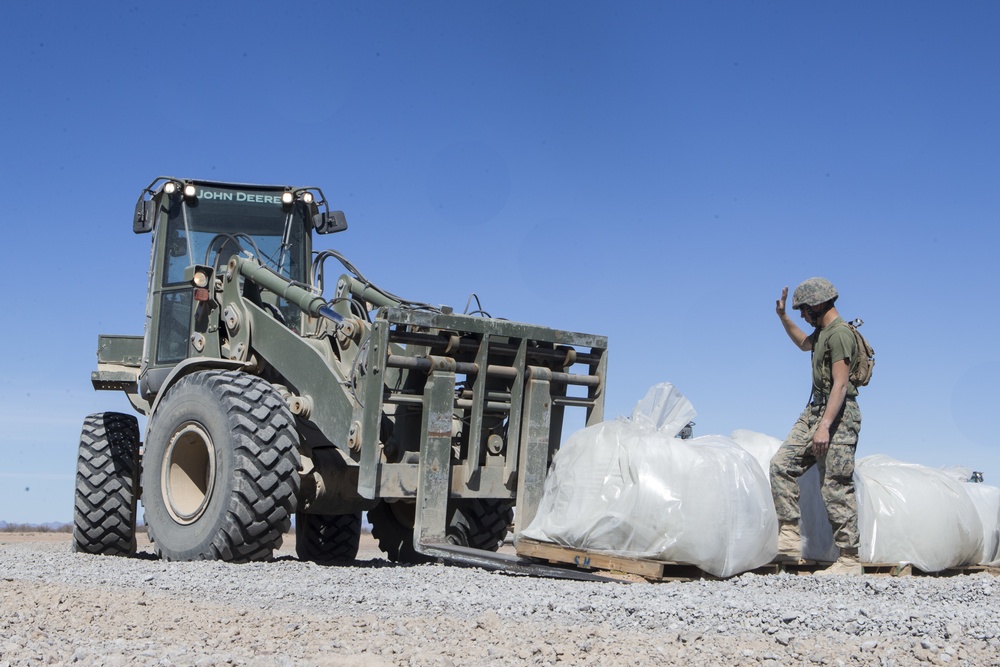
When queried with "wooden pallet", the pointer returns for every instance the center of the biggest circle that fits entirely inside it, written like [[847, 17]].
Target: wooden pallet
[[641, 569], [954, 571], [814, 566], [876, 569], [618, 567]]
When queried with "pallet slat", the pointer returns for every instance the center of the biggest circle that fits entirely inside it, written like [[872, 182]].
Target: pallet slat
[[628, 569], [589, 560]]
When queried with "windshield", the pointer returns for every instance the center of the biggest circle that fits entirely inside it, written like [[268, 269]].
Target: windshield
[[221, 222]]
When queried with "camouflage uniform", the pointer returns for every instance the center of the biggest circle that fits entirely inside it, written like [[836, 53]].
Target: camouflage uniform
[[836, 468]]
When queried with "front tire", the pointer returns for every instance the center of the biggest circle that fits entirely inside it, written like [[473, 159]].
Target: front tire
[[107, 485], [220, 470]]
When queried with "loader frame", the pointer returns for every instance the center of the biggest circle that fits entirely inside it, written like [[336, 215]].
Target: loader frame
[[393, 401]]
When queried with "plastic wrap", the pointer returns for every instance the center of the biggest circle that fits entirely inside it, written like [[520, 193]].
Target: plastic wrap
[[814, 526], [912, 513], [986, 498], [632, 488], [958, 473]]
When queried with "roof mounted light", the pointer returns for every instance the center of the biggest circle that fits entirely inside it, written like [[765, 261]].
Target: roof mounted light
[[287, 197], [307, 197], [170, 187], [189, 190]]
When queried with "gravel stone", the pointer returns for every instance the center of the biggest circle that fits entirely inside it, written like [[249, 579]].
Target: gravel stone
[[60, 607]]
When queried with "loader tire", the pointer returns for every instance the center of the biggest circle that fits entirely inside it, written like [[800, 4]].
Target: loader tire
[[327, 538], [479, 523], [220, 469], [392, 528], [107, 485]]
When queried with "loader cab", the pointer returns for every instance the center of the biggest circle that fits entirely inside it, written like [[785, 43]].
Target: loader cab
[[206, 223]]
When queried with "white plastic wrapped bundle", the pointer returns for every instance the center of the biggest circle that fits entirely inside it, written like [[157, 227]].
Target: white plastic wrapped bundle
[[817, 535], [986, 498], [912, 513], [632, 488]]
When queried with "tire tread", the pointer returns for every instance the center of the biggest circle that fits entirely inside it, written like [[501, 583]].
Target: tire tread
[[266, 481], [327, 538], [107, 485]]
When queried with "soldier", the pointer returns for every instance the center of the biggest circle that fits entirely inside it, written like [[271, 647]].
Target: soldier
[[826, 433]]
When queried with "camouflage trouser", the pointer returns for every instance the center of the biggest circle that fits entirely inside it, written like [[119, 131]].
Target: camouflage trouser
[[836, 471]]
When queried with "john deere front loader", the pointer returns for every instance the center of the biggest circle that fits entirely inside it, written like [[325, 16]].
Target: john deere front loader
[[269, 398]]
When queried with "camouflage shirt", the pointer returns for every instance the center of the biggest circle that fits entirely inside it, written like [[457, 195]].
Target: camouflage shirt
[[829, 344]]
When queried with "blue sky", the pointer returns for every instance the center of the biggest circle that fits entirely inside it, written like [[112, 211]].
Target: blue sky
[[655, 173]]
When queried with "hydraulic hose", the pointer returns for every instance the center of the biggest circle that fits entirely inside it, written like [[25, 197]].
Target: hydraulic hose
[[311, 303]]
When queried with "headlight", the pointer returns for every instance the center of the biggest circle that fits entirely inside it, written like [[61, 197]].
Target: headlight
[[190, 190], [170, 187], [200, 279], [287, 197], [307, 197]]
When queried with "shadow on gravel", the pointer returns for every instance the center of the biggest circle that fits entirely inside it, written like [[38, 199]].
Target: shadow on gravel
[[373, 564], [357, 564]]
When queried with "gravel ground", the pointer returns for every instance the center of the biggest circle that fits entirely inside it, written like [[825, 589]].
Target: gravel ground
[[58, 607]]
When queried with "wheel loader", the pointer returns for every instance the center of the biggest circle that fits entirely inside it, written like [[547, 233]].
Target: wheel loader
[[273, 392]]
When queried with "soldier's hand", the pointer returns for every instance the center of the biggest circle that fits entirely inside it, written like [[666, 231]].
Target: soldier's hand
[[821, 441], [779, 305]]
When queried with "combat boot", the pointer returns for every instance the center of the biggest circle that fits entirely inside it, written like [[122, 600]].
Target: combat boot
[[847, 563], [789, 544]]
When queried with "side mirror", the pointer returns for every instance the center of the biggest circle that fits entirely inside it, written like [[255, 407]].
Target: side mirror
[[145, 211], [328, 223]]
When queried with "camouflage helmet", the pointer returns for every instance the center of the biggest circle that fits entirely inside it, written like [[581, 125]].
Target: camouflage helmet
[[813, 292]]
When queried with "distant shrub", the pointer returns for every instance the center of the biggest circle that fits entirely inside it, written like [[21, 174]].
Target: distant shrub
[[36, 528]]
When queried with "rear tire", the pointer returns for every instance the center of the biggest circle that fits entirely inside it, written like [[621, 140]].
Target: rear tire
[[478, 523], [481, 524], [220, 470], [107, 485], [392, 528], [327, 538]]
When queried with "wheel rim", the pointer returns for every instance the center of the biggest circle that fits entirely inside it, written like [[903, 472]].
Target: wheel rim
[[188, 473]]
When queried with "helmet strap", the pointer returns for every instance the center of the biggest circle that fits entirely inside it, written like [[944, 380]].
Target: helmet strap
[[817, 312]]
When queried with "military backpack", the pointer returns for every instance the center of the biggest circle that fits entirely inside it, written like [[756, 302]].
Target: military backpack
[[861, 373]]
